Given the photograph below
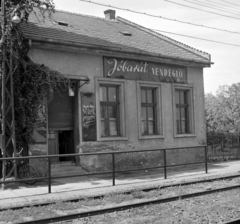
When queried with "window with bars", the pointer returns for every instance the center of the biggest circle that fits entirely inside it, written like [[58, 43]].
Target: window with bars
[[148, 111], [182, 111], [109, 110]]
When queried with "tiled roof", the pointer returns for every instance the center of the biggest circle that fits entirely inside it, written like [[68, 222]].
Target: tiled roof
[[82, 30]]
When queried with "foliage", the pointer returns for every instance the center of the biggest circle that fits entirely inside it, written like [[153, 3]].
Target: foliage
[[33, 84], [223, 147], [223, 110], [223, 158]]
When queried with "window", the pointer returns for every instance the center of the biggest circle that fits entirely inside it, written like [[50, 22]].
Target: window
[[109, 106], [110, 109], [183, 110], [51, 134], [149, 110]]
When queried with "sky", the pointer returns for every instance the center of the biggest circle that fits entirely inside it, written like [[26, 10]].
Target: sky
[[226, 58]]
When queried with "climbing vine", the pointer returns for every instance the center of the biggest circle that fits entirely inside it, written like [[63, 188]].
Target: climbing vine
[[33, 84]]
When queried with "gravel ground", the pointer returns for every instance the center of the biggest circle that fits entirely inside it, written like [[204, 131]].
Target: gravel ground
[[204, 209], [214, 208]]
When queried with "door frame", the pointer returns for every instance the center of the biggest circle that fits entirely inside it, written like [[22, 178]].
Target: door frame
[[76, 128]]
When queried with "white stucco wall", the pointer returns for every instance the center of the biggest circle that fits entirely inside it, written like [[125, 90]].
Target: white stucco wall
[[89, 65]]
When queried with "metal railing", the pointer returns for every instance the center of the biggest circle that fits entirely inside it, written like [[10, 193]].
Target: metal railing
[[223, 147], [113, 172]]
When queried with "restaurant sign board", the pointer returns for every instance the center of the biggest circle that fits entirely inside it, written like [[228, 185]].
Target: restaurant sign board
[[143, 70]]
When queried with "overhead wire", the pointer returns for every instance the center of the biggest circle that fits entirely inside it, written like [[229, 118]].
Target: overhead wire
[[199, 38], [161, 17], [218, 3], [230, 3], [211, 7], [232, 17], [221, 5], [128, 10]]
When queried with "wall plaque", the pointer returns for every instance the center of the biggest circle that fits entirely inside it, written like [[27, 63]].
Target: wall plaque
[[88, 117]]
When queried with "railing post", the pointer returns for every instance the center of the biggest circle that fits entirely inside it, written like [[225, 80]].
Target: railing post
[[113, 169], [3, 172], [49, 175], [238, 142], [222, 149], [165, 163], [206, 162], [238, 139]]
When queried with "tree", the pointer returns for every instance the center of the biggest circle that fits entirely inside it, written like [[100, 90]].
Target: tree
[[211, 106], [223, 110], [32, 83]]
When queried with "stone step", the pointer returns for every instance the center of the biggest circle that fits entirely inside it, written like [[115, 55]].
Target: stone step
[[65, 169], [63, 164], [67, 173], [70, 168]]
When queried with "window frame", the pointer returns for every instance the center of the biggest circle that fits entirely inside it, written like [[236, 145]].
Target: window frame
[[122, 116], [116, 105], [158, 109], [190, 98]]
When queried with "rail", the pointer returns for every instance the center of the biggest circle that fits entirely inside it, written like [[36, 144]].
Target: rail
[[113, 172]]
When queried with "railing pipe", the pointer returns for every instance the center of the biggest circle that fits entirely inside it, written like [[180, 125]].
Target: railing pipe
[[113, 172], [98, 153]]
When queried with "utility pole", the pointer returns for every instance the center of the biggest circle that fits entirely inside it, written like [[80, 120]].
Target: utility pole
[[3, 49], [8, 121]]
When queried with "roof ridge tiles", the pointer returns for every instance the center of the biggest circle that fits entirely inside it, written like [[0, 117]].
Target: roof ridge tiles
[[186, 47]]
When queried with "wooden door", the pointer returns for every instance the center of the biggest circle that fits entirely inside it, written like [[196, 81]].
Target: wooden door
[[53, 144]]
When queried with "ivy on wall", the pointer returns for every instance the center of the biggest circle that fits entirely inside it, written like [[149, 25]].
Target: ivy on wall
[[33, 84]]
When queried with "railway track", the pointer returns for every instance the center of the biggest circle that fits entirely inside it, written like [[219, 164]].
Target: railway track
[[80, 215], [130, 206], [129, 192]]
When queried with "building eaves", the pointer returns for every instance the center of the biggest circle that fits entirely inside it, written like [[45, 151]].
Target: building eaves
[[44, 35], [53, 33], [120, 35]]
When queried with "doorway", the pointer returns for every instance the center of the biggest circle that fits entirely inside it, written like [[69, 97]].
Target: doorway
[[65, 144], [61, 142], [61, 126]]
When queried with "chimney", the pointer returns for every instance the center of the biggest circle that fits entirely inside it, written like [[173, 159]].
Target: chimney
[[110, 14]]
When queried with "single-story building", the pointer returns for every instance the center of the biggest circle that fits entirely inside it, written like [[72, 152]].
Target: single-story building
[[132, 88]]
